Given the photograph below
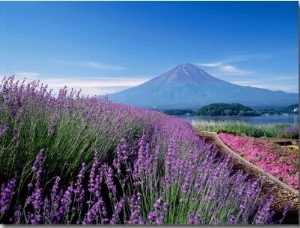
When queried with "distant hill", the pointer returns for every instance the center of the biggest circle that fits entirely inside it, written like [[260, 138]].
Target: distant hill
[[189, 87], [223, 109]]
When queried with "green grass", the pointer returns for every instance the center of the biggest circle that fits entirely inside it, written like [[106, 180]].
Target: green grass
[[240, 128]]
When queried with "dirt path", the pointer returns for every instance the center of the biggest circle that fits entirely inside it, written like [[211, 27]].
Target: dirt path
[[282, 192]]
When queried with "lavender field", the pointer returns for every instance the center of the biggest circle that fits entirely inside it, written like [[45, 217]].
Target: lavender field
[[71, 159]]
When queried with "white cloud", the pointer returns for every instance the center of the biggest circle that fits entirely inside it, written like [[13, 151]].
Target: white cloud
[[226, 65], [230, 69], [90, 64], [227, 71], [242, 58], [94, 86], [274, 84], [222, 68], [94, 82], [103, 66], [27, 74], [89, 86], [93, 91], [214, 64], [234, 70]]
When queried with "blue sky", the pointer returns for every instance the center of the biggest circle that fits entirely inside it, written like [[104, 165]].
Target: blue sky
[[104, 47]]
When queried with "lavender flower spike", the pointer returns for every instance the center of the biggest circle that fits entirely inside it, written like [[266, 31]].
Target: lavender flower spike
[[6, 195], [37, 161]]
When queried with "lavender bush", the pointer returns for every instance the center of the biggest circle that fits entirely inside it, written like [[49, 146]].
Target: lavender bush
[[80, 160], [289, 132], [69, 127]]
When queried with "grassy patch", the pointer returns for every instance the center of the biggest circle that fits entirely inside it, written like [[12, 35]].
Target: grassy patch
[[240, 128]]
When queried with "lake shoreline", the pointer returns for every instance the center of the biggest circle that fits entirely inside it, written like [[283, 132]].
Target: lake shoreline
[[255, 120]]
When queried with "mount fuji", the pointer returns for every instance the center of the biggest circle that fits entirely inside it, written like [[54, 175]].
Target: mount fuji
[[187, 86]]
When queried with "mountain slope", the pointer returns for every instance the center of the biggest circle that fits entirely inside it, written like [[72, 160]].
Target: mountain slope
[[187, 86]]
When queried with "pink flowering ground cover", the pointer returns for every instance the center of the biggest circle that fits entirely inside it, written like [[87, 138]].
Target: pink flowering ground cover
[[278, 161]]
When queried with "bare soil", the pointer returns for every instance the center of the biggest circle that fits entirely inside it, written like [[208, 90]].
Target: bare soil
[[283, 141], [281, 191]]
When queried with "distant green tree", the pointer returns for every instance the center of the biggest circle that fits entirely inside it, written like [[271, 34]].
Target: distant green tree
[[223, 109], [228, 112], [241, 113]]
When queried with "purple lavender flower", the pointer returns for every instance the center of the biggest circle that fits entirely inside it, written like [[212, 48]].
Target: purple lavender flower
[[191, 219], [79, 191], [30, 185], [290, 132], [264, 214], [95, 165], [37, 199], [136, 174], [6, 194], [51, 127], [38, 177], [37, 202], [187, 180], [101, 172], [59, 214], [158, 215], [64, 204], [231, 220], [113, 220], [54, 189], [119, 206], [152, 216], [242, 207], [48, 216], [30, 217], [135, 208], [253, 190], [199, 180], [140, 165], [123, 149], [163, 212], [92, 213], [156, 205], [110, 180], [3, 130], [38, 160], [170, 165], [17, 214], [122, 155], [117, 210], [68, 196], [103, 208], [194, 219]]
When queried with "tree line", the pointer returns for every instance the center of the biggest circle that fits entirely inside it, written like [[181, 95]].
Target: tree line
[[216, 109], [223, 109]]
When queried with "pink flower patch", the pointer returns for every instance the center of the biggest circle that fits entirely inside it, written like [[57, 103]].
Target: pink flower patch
[[280, 162]]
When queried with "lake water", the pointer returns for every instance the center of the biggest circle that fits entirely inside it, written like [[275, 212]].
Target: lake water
[[272, 119]]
